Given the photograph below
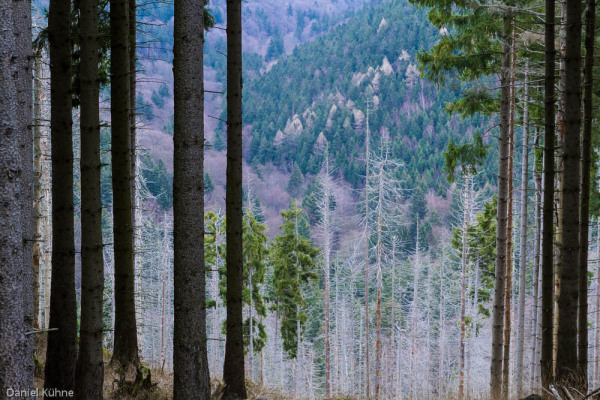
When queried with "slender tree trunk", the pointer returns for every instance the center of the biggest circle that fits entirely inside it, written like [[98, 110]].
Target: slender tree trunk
[[233, 368], [509, 228], [584, 217], [13, 356], [23, 85], [327, 262], [190, 358], [90, 368], [61, 353], [597, 319], [463, 288], [125, 350], [566, 362], [535, 320], [502, 212], [38, 197], [379, 285], [368, 242], [546, 361], [523, 241]]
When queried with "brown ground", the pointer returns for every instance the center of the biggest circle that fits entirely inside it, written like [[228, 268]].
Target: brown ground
[[162, 382]]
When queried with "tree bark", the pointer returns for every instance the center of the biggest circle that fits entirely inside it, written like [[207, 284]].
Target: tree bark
[[566, 360], [523, 240], [502, 213], [233, 368], [125, 350], [368, 242], [190, 358], [13, 355], [89, 375], [23, 85], [39, 200], [61, 353], [546, 358], [584, 216]]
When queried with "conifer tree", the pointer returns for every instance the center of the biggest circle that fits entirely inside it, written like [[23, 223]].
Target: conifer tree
[[61, 353], [294, 187], [125, 351], [233, 368], [567, 368], [190, 359], [293, 258], [90, 369]]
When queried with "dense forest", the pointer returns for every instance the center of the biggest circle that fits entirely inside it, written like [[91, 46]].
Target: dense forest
[[349, 199]]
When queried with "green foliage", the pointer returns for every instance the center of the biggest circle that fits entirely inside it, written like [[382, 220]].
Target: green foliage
[[158, 181], [275, 48], [481, 242], [255, 258], [41, 42], [293, 259], [294, 187], [313, 195], [219, 143], [303, 82], [158, 100], [468, 156], [209, 186], [169, 128]]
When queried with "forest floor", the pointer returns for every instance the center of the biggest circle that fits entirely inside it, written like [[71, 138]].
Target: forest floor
[[162, 381]]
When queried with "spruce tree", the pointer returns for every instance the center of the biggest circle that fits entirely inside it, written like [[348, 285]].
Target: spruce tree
[[233, 368], [293, 259], [190, 359], [61, 353], [125, 351], [294, 187], [90, 368]]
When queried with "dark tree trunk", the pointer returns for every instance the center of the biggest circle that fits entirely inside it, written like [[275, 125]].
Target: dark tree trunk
[[233, 369], [566, 359], [24, 87], [584, 216], [501, 238], [61, 354], [89, 376], [125, 350], [547, 271], [190, 359], [12, 302]]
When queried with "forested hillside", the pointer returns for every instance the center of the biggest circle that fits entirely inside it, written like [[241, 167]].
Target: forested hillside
[[322, 91], [330, 199]]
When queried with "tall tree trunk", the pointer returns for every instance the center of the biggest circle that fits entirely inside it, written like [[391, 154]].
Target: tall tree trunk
[[509, 227], [546, 357], [125, 350], [523, 240], [327, 261], [61, 353], [23, 85], [537, 273], [566, 362], [233, 368], [13, 355], [463, 275], [379, 285], [584, 216], [502, 212], [89, 376], [190, 358], [368, 242], [135, 179], [38, 196]]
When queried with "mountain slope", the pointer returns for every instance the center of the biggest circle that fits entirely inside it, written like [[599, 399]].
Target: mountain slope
[[321, 90]]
